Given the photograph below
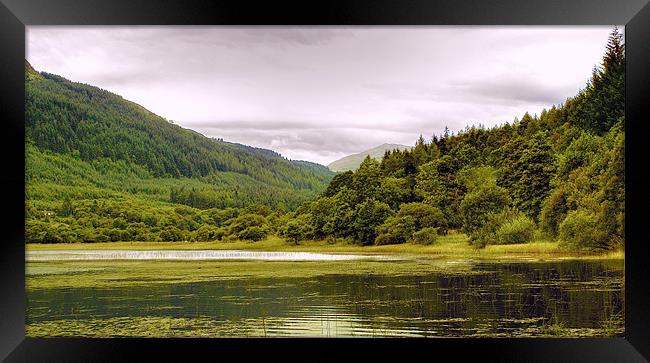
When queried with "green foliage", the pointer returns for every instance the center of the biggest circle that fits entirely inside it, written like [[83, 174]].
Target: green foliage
[[171, 233], [426, 236], [244, 221], [67, 209], [394, 191], [478, 205], [253, 233], [428, 184], [494, 183], [365, 181], [352, 162], [396, 230], [612, 194], [527, 173], [582, 151], [340, 220], [504, 227], [437, 184], [476, 177], [369, 215], [67, 117], [555, 209], [322, 211], [298, 229], [209, 233], [338, 181], [425, 216], [519, 229], [49, 232], [581, 229]]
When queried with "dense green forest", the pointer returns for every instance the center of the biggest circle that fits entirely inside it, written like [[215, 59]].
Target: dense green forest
[[85, 121], [100, 168], [557, 175]]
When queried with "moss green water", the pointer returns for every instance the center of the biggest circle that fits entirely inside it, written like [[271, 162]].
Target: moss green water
[[533, 290]]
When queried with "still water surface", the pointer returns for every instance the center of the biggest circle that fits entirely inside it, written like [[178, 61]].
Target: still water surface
[[81, 255], [578, 298]]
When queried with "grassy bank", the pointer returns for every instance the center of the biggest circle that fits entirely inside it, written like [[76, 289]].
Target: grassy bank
[[451, 254], [451, 246]]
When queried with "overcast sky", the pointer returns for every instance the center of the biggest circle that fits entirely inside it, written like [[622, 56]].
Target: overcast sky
[[320, 93]]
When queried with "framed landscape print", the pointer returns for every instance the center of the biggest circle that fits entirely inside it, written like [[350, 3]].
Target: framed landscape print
[[261, 175]]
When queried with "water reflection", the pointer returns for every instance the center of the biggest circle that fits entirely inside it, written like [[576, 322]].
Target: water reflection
[[82, 255], [515, 299]]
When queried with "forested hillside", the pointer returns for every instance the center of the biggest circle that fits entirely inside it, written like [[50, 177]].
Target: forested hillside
[[87, 147], [100, 168], [67, 117], [556, 175]]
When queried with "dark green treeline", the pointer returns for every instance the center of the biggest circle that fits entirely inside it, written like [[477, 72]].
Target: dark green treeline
[[557, 175]]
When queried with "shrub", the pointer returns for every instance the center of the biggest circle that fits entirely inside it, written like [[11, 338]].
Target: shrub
[[519, 229], [425, 215], [426, 236], [330, 240], [298, 229], [368, 216], [554, 210], [244, 221], [259, 209], [169, 234], [478, 177], [580, 229], [105, 238], [208, 233], [478, 205], [507, 226], [395, 230], [486, 234], [58, 233], [220, 216], [253, 233], [579, 153]]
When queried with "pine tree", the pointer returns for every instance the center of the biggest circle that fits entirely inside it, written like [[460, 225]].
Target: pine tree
[[603, 102], [615, 55]]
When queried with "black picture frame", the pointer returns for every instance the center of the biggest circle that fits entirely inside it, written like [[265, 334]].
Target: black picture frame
[[15, 14]]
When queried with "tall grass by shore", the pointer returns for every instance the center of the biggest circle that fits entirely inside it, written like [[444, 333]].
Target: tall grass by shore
[[453, 246]]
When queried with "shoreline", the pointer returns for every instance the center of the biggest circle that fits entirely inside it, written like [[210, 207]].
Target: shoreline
[[450, 255], [447, 247]]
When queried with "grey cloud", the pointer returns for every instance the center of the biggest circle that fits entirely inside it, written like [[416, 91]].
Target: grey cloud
[[328, 144], [116, 79], [250, 125], [234, 36], [296, 35], [322, 126], [319, 93], [505, 89], [511, 89]]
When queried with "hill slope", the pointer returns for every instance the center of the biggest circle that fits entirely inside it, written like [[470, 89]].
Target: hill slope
[[352, 162], [101, 168], [90, 124]]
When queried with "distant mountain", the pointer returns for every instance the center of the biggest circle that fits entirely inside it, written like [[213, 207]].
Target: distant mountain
[[352, 162]]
